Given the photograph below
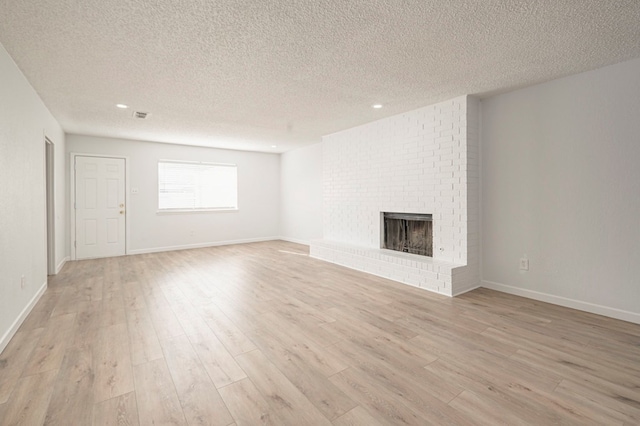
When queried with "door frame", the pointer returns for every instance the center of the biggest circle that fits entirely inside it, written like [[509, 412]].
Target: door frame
[[50, 190], [72, 198]]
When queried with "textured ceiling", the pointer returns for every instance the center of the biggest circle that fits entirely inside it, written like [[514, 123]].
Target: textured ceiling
[[251, 74]]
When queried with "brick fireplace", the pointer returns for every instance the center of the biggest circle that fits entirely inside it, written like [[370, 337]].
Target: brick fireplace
[[424, 161]]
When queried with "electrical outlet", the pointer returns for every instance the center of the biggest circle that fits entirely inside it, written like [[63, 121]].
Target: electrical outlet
[[134, 190], [524, 264], [23, 281]]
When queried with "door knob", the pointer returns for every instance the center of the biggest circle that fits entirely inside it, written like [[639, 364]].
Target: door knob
[[121, 211]]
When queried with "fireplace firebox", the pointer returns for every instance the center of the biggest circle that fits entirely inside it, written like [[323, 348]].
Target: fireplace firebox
[[408, 232]]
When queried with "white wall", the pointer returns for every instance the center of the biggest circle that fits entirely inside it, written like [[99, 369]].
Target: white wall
[[258, 195], [301, 194], [24, 123], [422, 161], [561, 184]]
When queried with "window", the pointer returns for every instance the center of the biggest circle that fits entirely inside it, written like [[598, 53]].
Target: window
[[184, 186]]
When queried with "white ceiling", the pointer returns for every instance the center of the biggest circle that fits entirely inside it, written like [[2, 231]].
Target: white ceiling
[[249, 74]]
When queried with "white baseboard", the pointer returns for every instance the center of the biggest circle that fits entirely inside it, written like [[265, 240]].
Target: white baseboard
[[295, 240], [4, 341], [563, 301], [61, 264], [201, 245]]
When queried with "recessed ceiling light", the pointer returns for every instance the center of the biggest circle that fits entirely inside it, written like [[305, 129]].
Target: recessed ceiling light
[[123, 106], [376, 106], [274, 146]]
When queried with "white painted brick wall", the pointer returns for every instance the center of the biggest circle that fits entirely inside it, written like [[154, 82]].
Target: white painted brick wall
[[468, 277], [416, 162]]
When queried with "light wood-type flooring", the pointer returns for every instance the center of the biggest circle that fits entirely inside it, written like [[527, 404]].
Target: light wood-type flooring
[[262, 334]]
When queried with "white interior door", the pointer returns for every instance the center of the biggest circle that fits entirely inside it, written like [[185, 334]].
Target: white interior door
[[99, 207]]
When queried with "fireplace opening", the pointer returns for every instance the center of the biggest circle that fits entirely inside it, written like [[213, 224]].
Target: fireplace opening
[[408, 233]]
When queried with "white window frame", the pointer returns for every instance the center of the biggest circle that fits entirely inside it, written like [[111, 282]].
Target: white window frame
[[203, 209]]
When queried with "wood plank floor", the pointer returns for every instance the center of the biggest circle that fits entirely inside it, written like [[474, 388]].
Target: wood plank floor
[[261, 334]]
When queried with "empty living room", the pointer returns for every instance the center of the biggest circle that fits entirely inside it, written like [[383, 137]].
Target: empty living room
[[319, 213]]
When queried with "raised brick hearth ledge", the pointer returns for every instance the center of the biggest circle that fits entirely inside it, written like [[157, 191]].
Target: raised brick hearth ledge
[[419, 271]]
